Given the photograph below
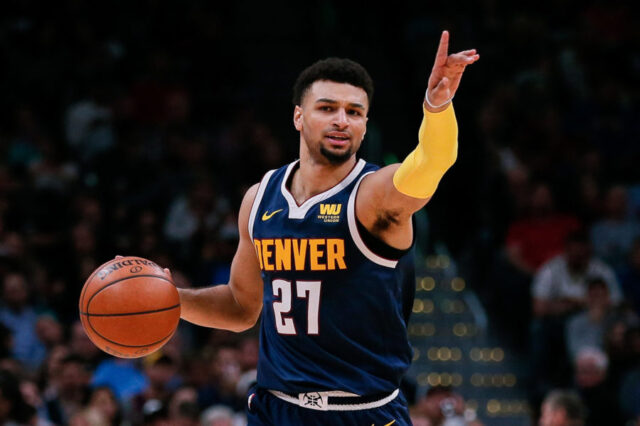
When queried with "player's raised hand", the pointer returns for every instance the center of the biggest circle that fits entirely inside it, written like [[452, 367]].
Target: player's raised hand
[[446, 73]]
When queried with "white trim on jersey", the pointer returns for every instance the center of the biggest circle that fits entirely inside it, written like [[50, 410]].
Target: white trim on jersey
[[355, 234], [257, 200], [319, 400], [299, 212]]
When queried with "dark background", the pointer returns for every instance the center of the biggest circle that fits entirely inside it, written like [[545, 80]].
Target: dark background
[[113, 115]]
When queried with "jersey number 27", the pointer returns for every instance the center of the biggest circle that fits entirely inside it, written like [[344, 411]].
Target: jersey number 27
[[309, 290]]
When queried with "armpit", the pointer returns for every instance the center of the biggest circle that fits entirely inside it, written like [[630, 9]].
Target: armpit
[[384, 221]]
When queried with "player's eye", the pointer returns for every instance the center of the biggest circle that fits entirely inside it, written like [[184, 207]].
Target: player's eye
[[326, 108], [354, 112]]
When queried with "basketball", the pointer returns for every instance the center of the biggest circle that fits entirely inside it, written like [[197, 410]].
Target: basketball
[[129, 307]]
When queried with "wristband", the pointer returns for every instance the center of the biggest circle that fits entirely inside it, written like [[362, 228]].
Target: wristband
[[426, 99]]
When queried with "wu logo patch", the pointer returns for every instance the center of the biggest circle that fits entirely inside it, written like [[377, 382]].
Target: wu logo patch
[[330, 213], [330, 209]]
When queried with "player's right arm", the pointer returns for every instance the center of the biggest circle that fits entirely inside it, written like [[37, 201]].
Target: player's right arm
[[235, 306], [388, 197]]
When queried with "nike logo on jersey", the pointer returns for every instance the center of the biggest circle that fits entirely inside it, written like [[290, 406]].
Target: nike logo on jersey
[[266, 216], [388, 424]]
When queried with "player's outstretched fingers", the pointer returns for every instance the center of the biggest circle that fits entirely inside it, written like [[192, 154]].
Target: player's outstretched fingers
[[459, 59], [443, 49]]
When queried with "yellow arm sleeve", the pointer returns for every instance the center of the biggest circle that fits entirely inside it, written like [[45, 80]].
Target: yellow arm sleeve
[[419, 174]]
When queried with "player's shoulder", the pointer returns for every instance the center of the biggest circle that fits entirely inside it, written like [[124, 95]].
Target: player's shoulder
[[258, 187], [250, 196]]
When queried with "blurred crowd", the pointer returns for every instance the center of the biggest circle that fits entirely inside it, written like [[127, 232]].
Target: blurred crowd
[[136, 129], [557, 253]]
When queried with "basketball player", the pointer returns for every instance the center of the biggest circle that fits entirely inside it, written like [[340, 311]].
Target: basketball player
[[324, 253]]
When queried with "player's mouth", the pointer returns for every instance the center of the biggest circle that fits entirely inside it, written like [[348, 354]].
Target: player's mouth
[[338, 139]]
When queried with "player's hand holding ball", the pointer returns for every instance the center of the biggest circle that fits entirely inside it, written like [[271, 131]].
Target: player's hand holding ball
[[129, 307]]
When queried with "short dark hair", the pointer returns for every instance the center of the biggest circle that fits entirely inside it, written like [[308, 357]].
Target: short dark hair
[[570, 402], [339, 70]]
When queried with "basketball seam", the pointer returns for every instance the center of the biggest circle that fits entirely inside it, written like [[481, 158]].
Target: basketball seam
[[124, 279], [124, 314], [133, 346]]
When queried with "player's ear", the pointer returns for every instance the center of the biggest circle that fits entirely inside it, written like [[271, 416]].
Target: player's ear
[[297, 117]]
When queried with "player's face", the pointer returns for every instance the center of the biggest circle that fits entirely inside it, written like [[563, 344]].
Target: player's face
[[332, 121]]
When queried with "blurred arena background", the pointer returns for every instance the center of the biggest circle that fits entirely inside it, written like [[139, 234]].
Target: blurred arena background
[[134, 128]]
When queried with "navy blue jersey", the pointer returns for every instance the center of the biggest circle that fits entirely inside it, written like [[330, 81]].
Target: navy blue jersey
[[335, 311]]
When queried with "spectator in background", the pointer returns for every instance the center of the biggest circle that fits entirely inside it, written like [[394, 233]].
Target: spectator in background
[[562, 408], [32, 396], [24, 148], [122, 376], [630, 277], [49, 330], [85, 249], [619, 344], [587, 328], [531, 240], [183, 409], [83, 347], [559, 286], [14, 411], [20, 317], [103, 400], [591, 367], [201, 382], [441, 406], [159, 371], [154, 413], [559, 289], [248, 360], [102, 409], [51, 173], [49, 373], [536, 238], [88, 126], [612, 236], [70, 391], [219, 415], [200, 211], [225, 372]]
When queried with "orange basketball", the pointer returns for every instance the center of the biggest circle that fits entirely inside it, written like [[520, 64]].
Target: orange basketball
[[129, 307]]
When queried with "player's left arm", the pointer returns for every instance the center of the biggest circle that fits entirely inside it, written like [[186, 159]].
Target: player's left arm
[[387, 198]]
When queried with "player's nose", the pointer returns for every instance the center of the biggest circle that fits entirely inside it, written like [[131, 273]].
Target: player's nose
[[340, 118]]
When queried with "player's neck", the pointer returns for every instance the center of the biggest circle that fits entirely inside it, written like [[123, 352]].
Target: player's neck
[[313, 178]]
